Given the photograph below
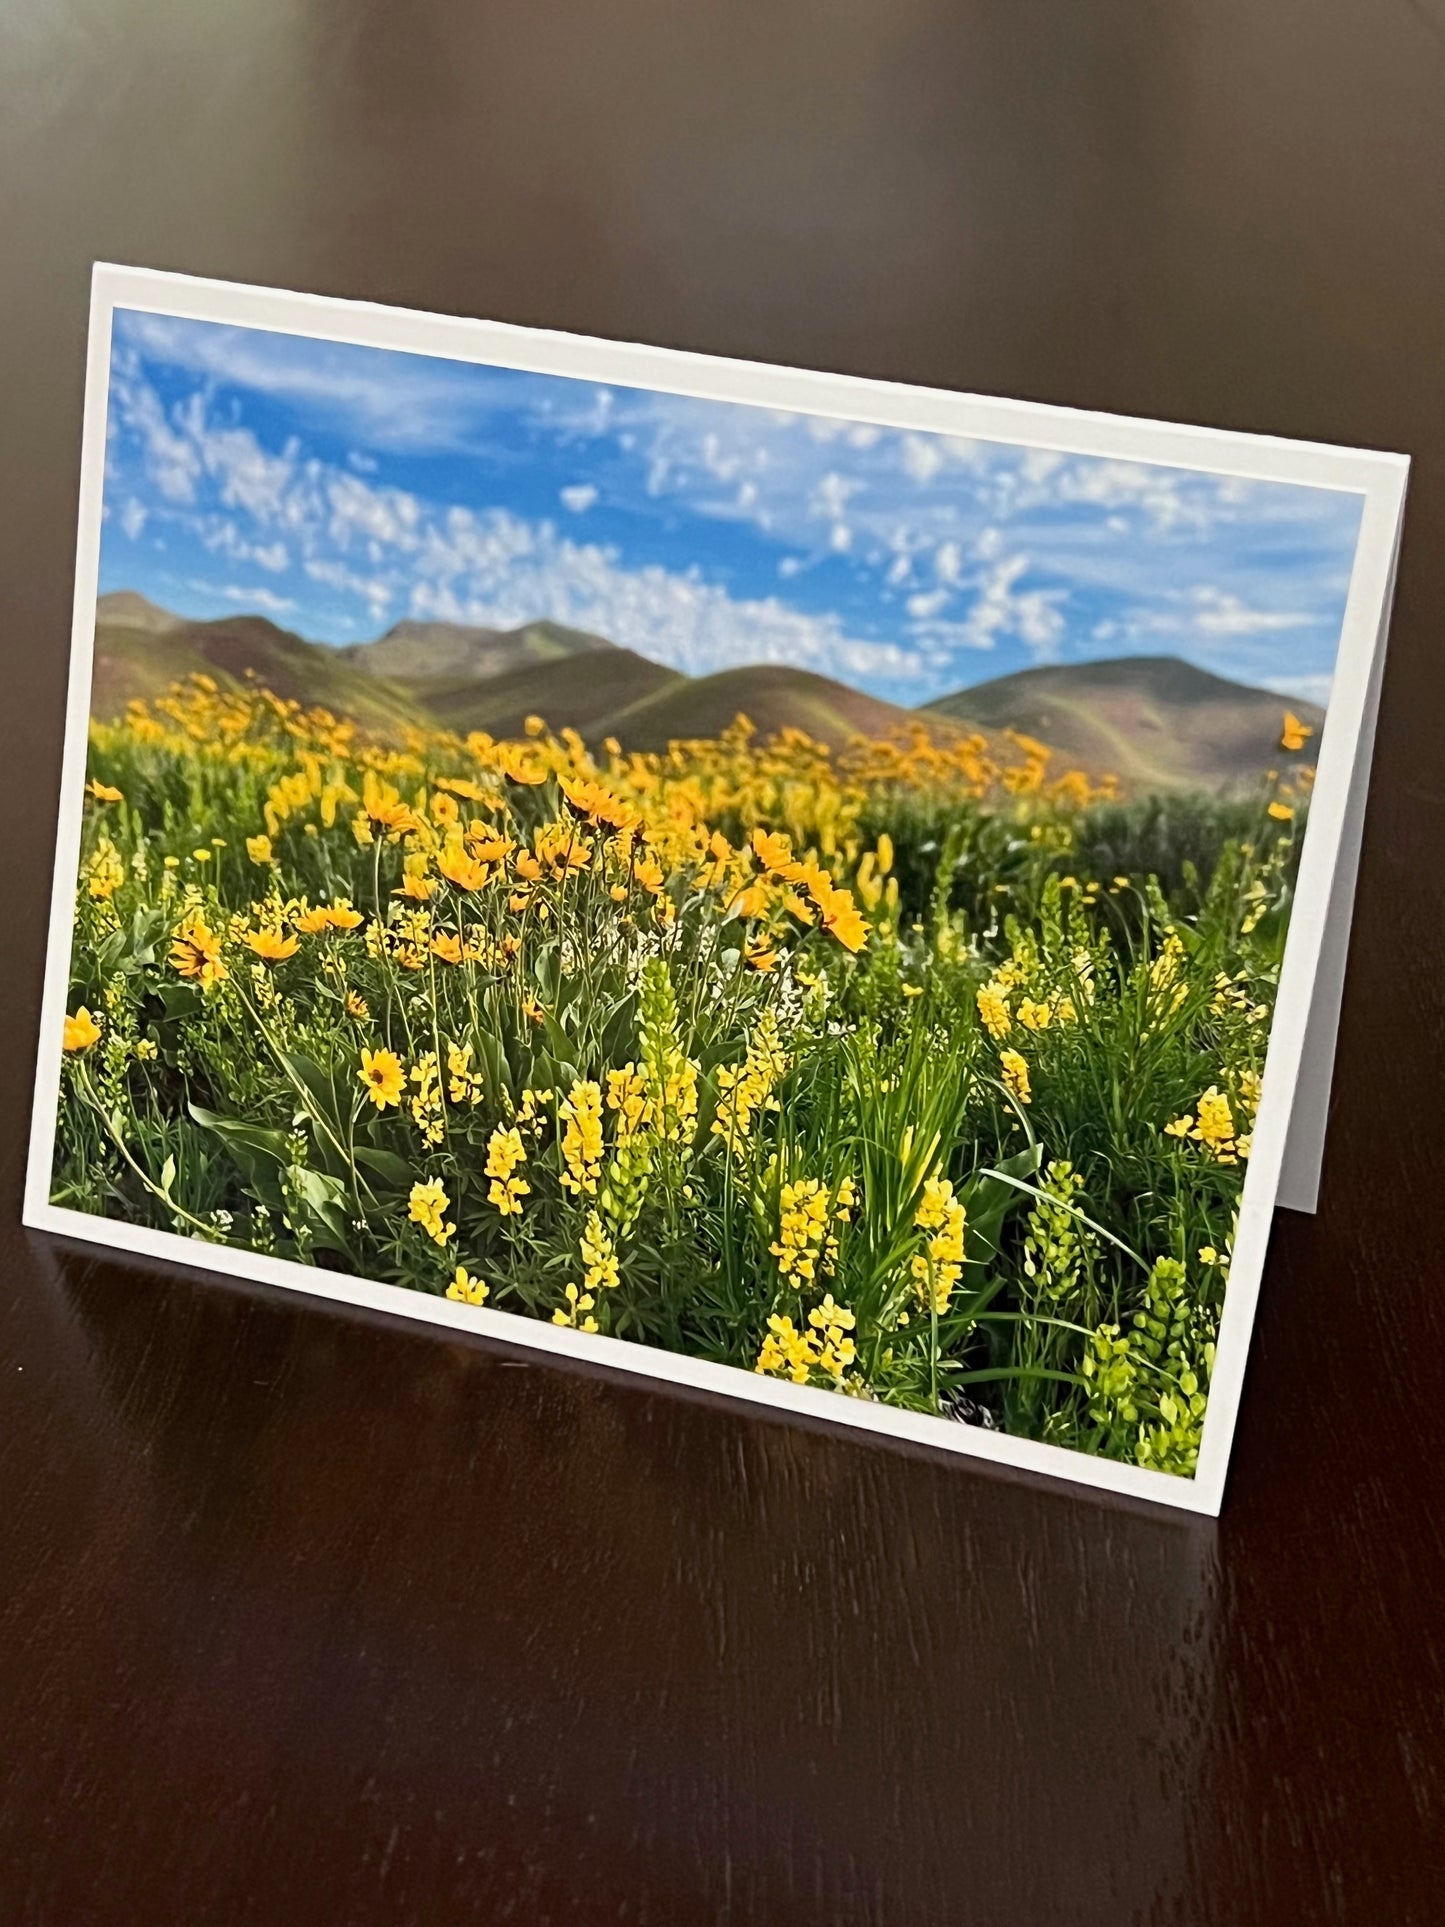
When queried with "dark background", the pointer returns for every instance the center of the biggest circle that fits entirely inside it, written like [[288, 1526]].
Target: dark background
[[307, 1617]]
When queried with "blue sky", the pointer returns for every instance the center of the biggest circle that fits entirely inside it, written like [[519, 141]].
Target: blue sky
[[339, 489]]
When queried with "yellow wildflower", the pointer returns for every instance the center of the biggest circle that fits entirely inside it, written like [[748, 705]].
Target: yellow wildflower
[[460, 869], [1015, 1075], [383, 1076], [505, 1153], [581, 1142], [466, 1289], [269, 945], [258, 848], [107, 872], [802, 1227], [196, 952], [577, 1302], [938, 1267], [599, 1257], [427, 1207], [993, 1009], [1294, 734], [103, 792], [81, 1030]]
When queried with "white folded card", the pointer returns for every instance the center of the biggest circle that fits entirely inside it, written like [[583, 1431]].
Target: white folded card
[[830, 893]]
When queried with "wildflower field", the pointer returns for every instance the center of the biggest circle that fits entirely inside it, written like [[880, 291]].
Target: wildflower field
[[912, 1072]]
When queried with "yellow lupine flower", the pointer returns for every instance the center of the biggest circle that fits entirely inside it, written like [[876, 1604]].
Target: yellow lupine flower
[[505, 1153], [581, 1142], [427, 1207], [1015, 1075], [466, 1289], [993, 1009]]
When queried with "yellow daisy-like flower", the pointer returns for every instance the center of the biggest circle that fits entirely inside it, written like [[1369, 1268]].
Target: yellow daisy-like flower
[[196, 952], [81, 1030], [1294, 734], [841, 918], [1281, 812], [269, 945], [103, 792], [258, 848], [461, 870], [382, 1074], [356, 1005]]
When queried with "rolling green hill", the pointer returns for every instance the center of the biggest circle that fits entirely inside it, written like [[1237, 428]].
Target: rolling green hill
[[1155, 722], [483, 679], [452, 651], [581, 693], [140, 651], [772, 695]]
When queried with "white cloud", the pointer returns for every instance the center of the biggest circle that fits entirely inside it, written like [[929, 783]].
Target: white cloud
[[922, 457], [375, 592], [924, 606], [1309, 689], [948, 562], [999, 609], [133, 518], [497, 570], [938, 534], [1218, 613], [170, 457], [277, 605]]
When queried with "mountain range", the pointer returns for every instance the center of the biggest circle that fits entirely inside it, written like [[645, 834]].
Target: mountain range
[[1155, 722]]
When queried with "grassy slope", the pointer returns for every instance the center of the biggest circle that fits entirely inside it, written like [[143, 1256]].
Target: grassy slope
[[1153, 721], [133, 661], [773, 696], [577, 692], [448, 651]]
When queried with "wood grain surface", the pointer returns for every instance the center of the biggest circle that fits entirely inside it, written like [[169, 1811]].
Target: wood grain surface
[[311, 1617]]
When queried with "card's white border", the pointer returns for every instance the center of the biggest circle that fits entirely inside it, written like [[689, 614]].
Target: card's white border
[[1379, 478]]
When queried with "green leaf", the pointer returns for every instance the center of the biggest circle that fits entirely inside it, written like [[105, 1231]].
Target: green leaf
[[386, 1164]]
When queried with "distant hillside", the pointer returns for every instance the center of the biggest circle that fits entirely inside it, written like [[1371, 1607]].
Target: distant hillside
[[131, 611], [452, 650], [581, 693], [483, 679], [773, 696], [1153, 721], [137, 655]]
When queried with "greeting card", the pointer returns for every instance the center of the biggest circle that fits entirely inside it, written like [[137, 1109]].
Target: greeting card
[[827, 892]]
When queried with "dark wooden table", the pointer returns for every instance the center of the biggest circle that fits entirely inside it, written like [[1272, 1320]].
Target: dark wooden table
[[307, 1617]]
